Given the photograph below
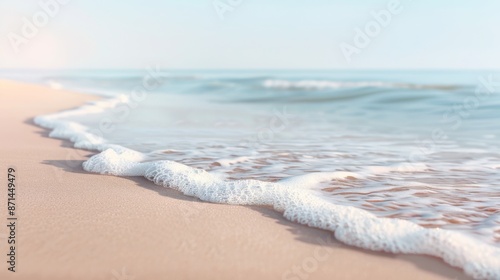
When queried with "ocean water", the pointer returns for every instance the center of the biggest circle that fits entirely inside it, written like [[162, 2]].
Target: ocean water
[[396, 161]]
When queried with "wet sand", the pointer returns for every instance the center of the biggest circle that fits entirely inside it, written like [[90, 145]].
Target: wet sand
[[76, 225]]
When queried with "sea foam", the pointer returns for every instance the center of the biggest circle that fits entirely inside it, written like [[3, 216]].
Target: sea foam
[[292, 197], [326, 84]]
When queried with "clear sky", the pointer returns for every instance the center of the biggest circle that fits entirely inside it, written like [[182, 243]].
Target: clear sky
[[254, 34]]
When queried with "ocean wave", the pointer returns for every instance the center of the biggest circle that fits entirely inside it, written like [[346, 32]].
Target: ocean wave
[[291, 197], [325, 84]]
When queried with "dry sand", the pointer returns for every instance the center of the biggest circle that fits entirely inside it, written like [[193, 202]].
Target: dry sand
[[76, 225]]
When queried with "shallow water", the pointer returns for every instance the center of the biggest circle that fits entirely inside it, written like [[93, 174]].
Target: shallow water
[[418, 146]]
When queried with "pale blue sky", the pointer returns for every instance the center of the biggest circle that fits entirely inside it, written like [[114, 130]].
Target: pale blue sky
[[258, 34]]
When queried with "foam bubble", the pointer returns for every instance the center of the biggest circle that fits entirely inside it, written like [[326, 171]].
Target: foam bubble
[[351, 225], [228, 162]]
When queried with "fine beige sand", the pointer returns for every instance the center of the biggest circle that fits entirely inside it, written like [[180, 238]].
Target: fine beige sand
[[75, 225]]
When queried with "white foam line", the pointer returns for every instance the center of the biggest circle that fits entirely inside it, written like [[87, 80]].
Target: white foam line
[[82, 136], [325, 84], [350, 225]]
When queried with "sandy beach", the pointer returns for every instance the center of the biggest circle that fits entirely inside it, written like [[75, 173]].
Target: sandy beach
[[76, 225]]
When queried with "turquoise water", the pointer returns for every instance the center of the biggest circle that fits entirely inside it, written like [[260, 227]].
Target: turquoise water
[[422, 146], [402, 162]]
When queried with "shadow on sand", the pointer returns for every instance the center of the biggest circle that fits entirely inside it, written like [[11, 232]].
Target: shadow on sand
[[302, 233]]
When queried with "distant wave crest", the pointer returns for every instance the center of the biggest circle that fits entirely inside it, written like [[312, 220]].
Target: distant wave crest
[[325, 84]]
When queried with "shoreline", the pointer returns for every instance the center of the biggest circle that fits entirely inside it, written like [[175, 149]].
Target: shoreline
[[78, 225]]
